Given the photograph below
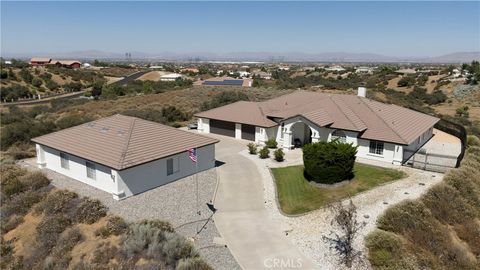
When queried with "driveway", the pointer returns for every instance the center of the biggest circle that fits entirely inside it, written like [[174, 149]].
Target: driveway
[[254, 238]]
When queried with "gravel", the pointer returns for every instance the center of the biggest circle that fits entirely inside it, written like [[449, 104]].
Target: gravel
[[306, 231], [174, 202]]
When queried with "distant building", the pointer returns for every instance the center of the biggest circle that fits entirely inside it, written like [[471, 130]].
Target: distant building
[[66, 63], [263, 75], [244, 74], [406, 71], [170, 77], [365, 70], [335, 68], [8, 62], [40, 61], [226, 81], [189, 70], [156, 67]]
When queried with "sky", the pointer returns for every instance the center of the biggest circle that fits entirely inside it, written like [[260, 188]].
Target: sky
[[416, 29]]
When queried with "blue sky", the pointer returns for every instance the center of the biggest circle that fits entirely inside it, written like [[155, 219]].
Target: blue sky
[[389, 28]]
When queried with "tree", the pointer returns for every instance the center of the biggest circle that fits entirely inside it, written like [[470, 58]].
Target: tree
[[37, 82], [329, 162], [348, 227], [25, 75], [3, 74], [462, 112]]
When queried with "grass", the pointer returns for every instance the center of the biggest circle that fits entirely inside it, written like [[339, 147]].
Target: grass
[[297, 196]]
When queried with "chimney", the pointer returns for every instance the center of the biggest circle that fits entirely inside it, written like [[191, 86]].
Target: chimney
[[362, 92]]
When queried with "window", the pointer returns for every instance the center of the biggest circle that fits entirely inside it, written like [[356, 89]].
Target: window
[[376, 147], [339, 135], [64, 161], [172, 165], [91, 172]]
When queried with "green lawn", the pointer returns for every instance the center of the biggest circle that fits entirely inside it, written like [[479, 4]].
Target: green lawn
[[297, 196]]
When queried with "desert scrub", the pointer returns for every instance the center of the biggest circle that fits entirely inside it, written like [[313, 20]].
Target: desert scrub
[[35, 180], [159, 224], [176, 247], [141, 238], [279, 155], [11, 223], [387, 251], [90, 211], [50, 228], [264, 153], [195, 263], [58, 201], [21, 203], [115, 226], [59, 257], [252, 148], [271, 143]]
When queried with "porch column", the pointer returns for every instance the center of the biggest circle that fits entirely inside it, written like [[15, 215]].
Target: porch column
[[287, 140], [315, 136], [41, 163]]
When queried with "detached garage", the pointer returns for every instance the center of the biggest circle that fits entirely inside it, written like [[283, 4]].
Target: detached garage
[[124, 155]]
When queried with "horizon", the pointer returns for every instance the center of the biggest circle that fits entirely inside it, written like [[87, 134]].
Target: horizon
[[380, 28]]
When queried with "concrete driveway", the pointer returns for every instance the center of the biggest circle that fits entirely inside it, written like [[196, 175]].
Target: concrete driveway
[[253, 237]]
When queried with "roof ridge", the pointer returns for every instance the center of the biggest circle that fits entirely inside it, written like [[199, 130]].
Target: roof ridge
[[383, 120], [350, 120], [125, 149]]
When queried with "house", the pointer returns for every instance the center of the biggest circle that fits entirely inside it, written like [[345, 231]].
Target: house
[[40, 61], [124, 155], [66, 63], [170, 77], [364, 70], [335, 69], [383, 132], [226, 81]]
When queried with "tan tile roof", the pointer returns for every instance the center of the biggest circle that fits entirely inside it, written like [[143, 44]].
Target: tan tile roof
[[121, 142], [373, 120], [40, 59]]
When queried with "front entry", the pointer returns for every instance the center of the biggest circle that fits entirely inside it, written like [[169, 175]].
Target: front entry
[[301, 134]]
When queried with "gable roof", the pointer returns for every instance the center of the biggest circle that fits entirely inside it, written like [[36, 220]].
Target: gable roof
[[373, 120], [40, 59], [121, 142]]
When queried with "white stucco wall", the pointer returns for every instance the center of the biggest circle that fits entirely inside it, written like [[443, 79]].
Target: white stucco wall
[[153, 174], [131, 181], [389, 151], [78, 171]]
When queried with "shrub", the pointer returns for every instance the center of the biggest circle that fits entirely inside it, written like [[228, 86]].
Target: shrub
[[264, 153], [271, 143], [37, 82], [59, 201], [252, 148], [329, 162], [11, 223], [279, 155], [387, 251], [164, 226], [50, 228], [59, 257], [21, 203], [473, 140], [143, 237], [195, 263], [12, 186], [224, 98], [72, 120], [115, 226], [90, 211], [35, 180], [176, 247], [21, 151]]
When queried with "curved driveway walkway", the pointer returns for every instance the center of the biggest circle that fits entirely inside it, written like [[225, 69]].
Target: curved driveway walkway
[[255, 240]]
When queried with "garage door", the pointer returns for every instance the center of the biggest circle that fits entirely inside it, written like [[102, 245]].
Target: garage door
[[222, 128], [248, 132]]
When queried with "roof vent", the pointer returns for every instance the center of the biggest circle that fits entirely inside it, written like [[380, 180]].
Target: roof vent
[[120, 132], [90, 124], [104, 129]]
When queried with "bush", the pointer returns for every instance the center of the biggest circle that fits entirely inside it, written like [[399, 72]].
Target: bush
[[252, 148], [21, 151], [195, 263], [279, 155], [50, 228], [386, 251], [115, 226], [90, 211], [35, 180], [37, 82], [264, 153], [12, 186], [72, 120], [473, 140], [58, 202], [176, 247], [164, 226], [329, 162], [271, 143], [21, 203], [11, 223], [143, 237], [60, 257], [224, 98]]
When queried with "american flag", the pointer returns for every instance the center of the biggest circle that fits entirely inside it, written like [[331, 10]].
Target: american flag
[[192, 154]]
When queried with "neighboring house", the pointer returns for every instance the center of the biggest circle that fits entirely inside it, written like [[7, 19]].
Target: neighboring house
[[335, 68], [124, 155], [66, 63], [170, 77], [406, 71], [40, 61], [383, 132], [226, 81], [364, 70]]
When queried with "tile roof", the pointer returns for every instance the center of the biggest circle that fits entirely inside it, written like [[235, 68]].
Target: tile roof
[[121, 142], [40, 59], [373, 120]]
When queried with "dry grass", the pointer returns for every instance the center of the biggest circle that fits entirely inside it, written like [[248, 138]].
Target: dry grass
[[151, 76], [24, 236]]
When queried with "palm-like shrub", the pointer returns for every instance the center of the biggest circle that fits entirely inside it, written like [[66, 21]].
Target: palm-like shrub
[[279, 155], [271, 143], [329, 162], [252, 148], [264, 153]]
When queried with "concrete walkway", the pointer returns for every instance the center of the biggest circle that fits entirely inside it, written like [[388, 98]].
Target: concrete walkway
[[254, 238]]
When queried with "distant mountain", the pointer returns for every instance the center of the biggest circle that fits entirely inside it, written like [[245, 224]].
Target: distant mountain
[[458, 57]]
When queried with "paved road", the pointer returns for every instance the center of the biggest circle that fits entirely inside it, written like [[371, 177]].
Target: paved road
[[255, 240], [131, 77]]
